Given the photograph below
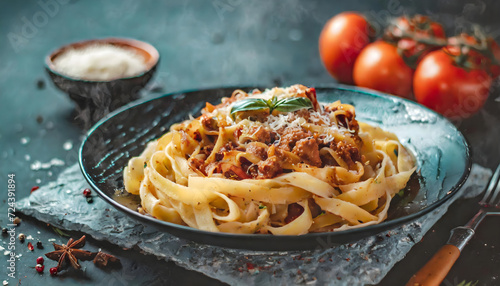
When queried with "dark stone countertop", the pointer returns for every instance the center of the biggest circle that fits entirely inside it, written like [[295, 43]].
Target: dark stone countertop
[[203, 44]]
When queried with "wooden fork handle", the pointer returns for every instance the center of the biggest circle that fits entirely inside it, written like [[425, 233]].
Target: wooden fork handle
[[436, 269]]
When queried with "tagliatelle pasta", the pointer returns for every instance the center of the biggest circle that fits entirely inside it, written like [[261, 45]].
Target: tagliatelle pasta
[[274, 162]]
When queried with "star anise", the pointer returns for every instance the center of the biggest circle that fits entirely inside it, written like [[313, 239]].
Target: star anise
[[70, 252]]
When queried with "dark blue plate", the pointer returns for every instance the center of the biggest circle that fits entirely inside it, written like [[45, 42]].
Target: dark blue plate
[[442, 154]]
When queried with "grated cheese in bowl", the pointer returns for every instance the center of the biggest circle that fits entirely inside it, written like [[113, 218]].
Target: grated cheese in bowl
[[100, 62]]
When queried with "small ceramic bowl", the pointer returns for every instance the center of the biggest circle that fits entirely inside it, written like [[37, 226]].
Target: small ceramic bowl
[[94, 99]]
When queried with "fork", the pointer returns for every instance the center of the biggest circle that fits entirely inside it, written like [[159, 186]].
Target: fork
[[440, 264]]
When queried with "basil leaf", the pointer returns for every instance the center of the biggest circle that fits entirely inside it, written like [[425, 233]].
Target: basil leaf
[[284, 105], [249, 104], [292, 104], [273, 102]]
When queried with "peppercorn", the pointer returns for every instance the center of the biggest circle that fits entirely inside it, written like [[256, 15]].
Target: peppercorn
[[87, 192], [53, 271], [39, 268], [39, 245], [40, 260], [22, 237]]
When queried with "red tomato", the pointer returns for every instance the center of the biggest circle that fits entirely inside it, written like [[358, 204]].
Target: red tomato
[[440, 84], [380, 67], [342, 39]]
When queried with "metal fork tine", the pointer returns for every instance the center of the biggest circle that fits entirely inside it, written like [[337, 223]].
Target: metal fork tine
[[491, 186], [495, 194]]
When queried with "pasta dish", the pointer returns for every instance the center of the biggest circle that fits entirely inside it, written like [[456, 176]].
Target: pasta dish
[[271, 162]]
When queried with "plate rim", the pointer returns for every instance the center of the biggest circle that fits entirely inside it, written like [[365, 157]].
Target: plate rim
[[386, 224]]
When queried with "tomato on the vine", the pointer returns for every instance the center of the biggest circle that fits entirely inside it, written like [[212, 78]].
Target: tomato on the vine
[[341, 40], [417, 25], [495, 50], [464, 44], [444, 86], [380, 67], [415, 37]]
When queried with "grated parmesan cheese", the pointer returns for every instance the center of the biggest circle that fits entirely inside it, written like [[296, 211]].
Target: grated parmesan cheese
[[100, 63], [284, 120], [317, 117]]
